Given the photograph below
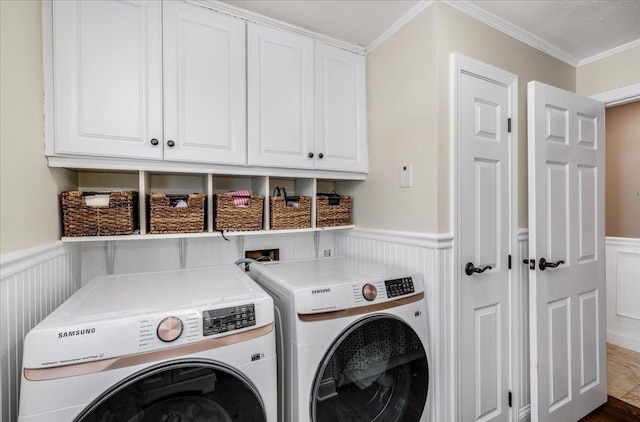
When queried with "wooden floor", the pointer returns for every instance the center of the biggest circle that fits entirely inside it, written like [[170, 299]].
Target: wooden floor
[[614, 410]]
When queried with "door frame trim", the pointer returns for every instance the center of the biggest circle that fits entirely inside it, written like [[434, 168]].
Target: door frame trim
[[619, 96], [459, 65]]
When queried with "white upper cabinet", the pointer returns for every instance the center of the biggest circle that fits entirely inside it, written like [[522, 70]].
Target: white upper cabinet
[[204, 85], [280, 98], [307, 103], [108, 73], [340, 110], [108, 78], [177, 82]]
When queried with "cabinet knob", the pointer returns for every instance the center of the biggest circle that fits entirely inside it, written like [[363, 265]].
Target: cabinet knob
[[321, 155], [170, 143], [311, 155], [154, 142]]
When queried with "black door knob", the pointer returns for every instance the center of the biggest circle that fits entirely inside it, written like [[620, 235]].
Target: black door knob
[[170, 143], [544, 264], [321, 155], [469, 269], [154, 142], [311, 155]]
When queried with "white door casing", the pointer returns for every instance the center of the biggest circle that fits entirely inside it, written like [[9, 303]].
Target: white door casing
[[108, 78], [340, 109], [204, 85], [280, 98], [566, 223], [485, 156]]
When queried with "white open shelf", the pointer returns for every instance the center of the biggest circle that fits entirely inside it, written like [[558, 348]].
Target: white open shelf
[[203, 234], [146, 182]]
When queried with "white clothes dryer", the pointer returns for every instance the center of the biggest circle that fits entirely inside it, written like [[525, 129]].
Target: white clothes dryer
[[352, 340], [176, 346]]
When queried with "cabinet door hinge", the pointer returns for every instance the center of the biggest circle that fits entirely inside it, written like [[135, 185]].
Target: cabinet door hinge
[[509, 262], [509, 125], [510, 399]]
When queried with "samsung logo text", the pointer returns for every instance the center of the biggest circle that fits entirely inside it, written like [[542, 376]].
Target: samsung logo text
[[74, 333], [318, 291]]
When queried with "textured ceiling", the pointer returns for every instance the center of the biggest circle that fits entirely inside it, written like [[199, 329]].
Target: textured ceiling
[[581, 28]]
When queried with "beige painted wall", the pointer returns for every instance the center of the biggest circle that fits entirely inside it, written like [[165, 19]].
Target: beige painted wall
[[402, 116], [457, 32], [623, 171], [29, 211], [617, 71], [408, 104]]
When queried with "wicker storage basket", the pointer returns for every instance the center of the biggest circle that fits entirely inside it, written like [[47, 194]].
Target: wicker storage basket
[[284, 216], [80, 219], [167, 218], [230, 217], [333, 210]]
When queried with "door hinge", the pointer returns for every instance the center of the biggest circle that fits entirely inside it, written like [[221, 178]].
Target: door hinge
[[509, 262], [510, 399], [509, 125]]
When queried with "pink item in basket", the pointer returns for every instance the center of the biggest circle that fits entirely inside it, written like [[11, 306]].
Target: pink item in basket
[[240, 198]]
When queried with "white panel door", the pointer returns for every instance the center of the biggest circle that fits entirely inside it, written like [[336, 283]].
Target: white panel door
[[108, 78], [280, 98], [566, 231], [341, 102], [204, 85], [485, 218]]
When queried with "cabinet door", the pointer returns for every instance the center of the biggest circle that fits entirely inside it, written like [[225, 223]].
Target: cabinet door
[[340, 112], [280, 98], [108, 78], [204, 85]]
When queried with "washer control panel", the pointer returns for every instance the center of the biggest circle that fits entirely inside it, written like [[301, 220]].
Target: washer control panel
[[218, 321], [399, 287]]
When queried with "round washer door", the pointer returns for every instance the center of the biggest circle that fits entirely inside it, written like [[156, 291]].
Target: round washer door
[[180, 391], [377, 370]]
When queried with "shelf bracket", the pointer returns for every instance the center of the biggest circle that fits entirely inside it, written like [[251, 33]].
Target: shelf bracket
[[240, 245], [110, 256], [182, 251], [316, 243]]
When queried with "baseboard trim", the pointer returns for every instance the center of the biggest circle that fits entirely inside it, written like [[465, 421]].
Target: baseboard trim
[[623, 340]]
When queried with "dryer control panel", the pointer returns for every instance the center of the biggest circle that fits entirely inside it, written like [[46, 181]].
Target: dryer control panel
[[399, 287], [218, 321]]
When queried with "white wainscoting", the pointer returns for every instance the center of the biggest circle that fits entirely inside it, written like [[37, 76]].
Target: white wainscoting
[[33, 283], [623, 292], [130, 256], [431, 256]]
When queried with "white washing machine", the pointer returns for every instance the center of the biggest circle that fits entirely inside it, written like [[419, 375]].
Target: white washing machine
[[177, 346], [352, 339]]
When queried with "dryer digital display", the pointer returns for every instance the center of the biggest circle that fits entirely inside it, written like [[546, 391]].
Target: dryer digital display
[[399, 286], [216, 321]]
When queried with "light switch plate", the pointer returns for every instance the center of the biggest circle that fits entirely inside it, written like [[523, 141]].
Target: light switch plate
[[405, 176]]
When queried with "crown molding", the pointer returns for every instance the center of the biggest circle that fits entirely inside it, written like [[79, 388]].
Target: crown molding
[[405, 19], [619, 96], [511, 30], [613, 51], [257, 18]]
